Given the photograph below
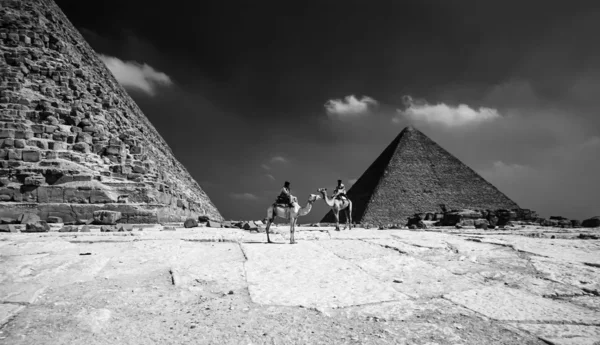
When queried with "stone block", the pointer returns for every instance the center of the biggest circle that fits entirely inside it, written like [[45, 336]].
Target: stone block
[[19, 143], [28, 218], [84, 138], [99, 196], [15, 155], [23, 135], [81, 147], [213, 224], [32, 155], [9, 228], [57, 145], [8, 142], [106, 217], [190, 223], [72, 195], [54, 219], [113, 150], [35, 180], [27, 194], [7, 133], [69, 228]]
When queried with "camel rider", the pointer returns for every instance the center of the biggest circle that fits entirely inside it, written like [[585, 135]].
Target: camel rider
[[285, 196], [340, 191]]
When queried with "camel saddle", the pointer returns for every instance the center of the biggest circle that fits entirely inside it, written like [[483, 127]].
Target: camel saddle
[[341, 197]]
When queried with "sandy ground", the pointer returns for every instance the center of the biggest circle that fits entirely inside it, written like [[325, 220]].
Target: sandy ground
[[225, 286]]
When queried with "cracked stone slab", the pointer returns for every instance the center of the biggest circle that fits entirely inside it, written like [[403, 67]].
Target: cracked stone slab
[[20, 292], [590, 302], [534, 285], [358, 234], [51, 245], [431, 240], [222, 263], [402, 247], [572, 250], [7, 311], [415, 277], [563, 334], [308, 275], [507, 304], [306, 235], [403, 310], [356, 249], [570, 273]]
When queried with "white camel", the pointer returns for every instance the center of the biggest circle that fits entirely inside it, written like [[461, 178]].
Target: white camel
[[337, 206], [290, 213]]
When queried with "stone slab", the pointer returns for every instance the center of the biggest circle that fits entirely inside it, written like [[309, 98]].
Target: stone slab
[[222, 263], [564, 334], [7, 311], [403, 310], [399, 246], [358, 234], [588, 301], [415, 277], [531, 284], [356, 249], [308, 275], [572, 250], [507, 304], [570, 273]]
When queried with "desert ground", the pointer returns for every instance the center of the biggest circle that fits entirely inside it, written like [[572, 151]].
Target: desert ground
[[204, 285]]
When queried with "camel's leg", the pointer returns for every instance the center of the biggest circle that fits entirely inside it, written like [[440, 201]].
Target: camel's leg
[[270, 219], [350, 215], [292, 230], [267, 231], [336, 213]]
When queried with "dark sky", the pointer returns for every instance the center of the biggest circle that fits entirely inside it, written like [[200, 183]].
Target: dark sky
[[238, 90]]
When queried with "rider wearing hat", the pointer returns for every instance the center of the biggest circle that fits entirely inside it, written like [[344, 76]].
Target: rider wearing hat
[[285, 196], [339, 191]]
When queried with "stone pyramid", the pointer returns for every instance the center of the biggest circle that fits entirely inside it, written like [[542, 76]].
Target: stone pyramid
[[72, 141], [414, 175]]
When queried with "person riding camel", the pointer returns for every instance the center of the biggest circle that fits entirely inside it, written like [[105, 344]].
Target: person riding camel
[[340, 191], [285, 196]]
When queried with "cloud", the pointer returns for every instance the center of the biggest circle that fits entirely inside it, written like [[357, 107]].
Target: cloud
[[266, 167], [243, 196], [270, 176], [133, 75], [279, 159], [445, 115], [350, 106]]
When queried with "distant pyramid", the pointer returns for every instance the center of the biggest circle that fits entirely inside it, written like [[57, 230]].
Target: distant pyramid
[[72, 141], [413, 175]]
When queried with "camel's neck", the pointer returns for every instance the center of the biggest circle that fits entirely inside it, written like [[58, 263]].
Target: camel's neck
[[328, 200], [305, 210]]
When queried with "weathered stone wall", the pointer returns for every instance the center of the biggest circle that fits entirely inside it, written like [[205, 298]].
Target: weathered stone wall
[[71, 139], [415, 175]]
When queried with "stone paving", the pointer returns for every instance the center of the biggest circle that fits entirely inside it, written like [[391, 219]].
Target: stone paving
[[545, 287]]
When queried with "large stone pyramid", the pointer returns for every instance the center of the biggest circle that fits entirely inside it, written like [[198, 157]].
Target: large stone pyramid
[[72, 140], [413, 175]]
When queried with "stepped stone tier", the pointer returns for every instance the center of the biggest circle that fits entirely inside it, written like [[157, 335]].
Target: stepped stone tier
[[415, 175], [72, 141]]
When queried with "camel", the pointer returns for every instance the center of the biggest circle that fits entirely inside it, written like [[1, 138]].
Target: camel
[[337, 206], [290, 213]]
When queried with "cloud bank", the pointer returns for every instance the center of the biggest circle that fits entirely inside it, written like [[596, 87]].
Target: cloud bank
[[133, 75], [279, 159], [445, 115], [350, 106]]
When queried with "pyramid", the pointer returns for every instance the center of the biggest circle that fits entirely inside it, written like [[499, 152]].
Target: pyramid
[[415, 175], [72, 141]]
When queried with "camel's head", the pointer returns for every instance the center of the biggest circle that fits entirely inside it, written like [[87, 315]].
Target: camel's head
[[322, 190], [314, 197]]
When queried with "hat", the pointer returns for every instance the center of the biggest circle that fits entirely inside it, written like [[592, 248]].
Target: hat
[[286, 183], [339, 181]]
